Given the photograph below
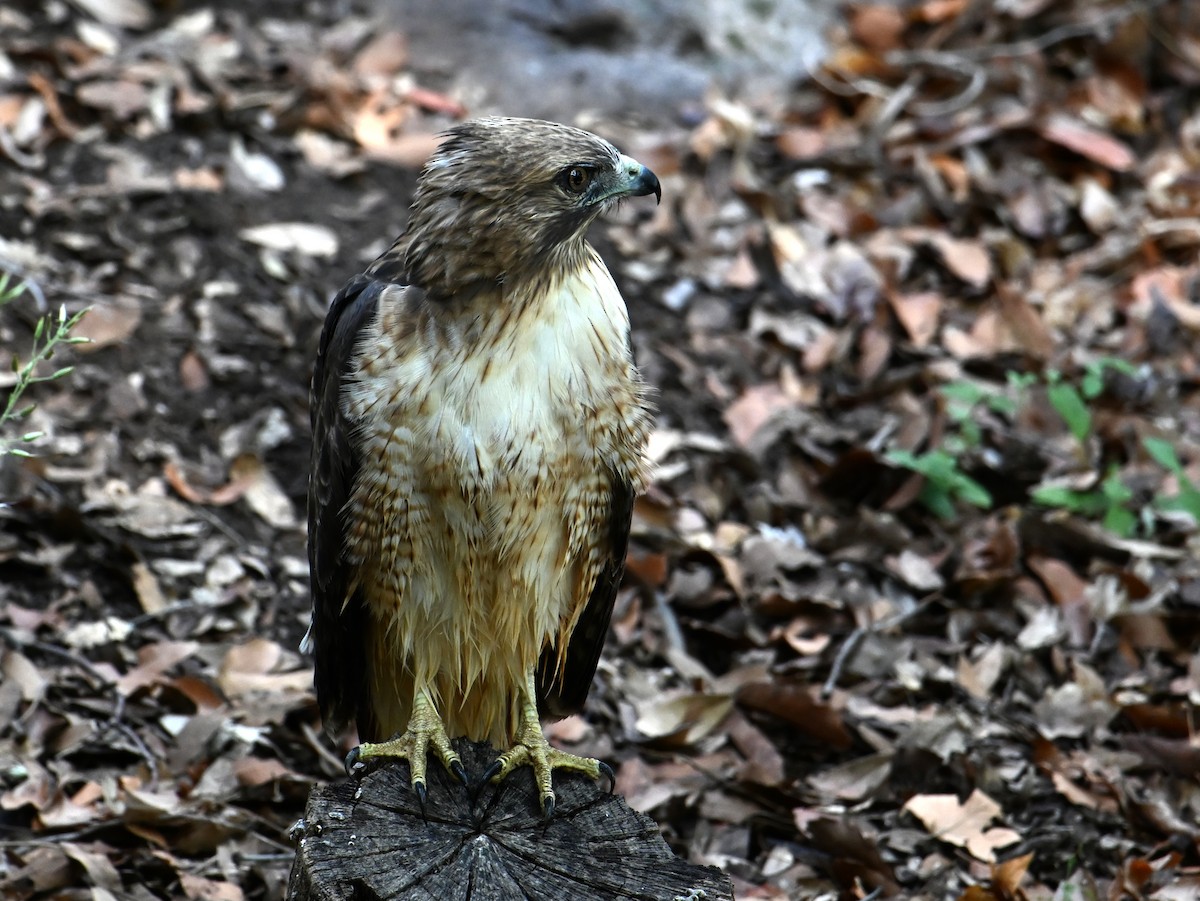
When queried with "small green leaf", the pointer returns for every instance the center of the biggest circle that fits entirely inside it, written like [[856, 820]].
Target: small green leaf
[[18, 452], [944, 481], [1020, 381], [1053, 496], [957, 445], [1122, 366], [972, 433], [900, 457], [1187, 501], [967, 392], [1070, 406], [961, 398], [972, 492], [1003, 404], [1086, 503], [937, 500], [1120, 521], [1114, 490], [1163, 453], [1093, 381]]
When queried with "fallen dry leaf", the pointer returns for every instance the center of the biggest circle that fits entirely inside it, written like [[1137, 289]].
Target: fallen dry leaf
[[153, 661], [250, 667], [307, 238], [109, 323], [797, 705], [753, 410], [854, 780], [1075, 708], [963, 824], [198, 888], [1089, 142], [1008, 875], [918, 314], [682, 720], [263, 493]]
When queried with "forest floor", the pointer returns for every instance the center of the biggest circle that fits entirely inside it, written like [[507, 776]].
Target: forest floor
[[913, 603]]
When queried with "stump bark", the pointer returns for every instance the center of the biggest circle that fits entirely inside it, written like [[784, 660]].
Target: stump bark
[[369, 840]]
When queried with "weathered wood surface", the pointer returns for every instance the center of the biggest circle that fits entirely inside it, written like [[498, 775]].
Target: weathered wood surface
[[367, 839]]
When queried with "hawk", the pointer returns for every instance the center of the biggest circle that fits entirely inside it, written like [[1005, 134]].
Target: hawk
[[479, 436]]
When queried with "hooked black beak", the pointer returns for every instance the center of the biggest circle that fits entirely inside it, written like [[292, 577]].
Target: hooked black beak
[[635, 180], [646, 183]]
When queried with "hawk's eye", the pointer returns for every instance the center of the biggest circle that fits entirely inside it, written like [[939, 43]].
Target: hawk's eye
[[576, 179]]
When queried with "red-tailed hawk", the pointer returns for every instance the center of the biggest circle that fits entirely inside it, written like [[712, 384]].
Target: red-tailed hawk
[[479, 434]]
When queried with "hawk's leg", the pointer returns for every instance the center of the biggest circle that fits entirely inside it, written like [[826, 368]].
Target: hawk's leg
[[425, 733], [531, 747]]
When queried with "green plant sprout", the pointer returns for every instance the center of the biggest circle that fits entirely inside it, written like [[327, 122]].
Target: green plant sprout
[[1110, 500], [1071, 403], [51, 331], [1187, 500], [945, 481]]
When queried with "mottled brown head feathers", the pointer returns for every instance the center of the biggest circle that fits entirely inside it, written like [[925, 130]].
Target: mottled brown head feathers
[[504, 199]]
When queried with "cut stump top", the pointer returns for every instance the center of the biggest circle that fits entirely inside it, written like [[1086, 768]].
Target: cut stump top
[[369, 839]]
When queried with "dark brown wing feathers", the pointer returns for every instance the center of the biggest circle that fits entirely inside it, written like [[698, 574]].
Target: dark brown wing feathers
[[339, 623], [565, 694]]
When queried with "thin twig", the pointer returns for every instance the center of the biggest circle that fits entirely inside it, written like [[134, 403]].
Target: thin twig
[[964, 98], [334, 764], [854, 639], [890, 112], [849, 646]]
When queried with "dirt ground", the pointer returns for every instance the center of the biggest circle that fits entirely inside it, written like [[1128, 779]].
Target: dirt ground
[[912, 606]]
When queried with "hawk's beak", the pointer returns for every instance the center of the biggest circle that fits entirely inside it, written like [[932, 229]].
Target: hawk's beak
[[639, 181]]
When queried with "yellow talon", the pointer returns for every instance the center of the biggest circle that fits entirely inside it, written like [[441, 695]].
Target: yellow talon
[[532, 748], [425, 732]]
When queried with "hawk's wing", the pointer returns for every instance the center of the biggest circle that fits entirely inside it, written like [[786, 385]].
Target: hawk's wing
[[563, 693], [338, 627]]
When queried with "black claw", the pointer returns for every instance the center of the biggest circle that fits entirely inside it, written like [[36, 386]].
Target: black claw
[[459, 771], [547, 807], [493, 771], [354, 764], [422, 794], [607, 772]]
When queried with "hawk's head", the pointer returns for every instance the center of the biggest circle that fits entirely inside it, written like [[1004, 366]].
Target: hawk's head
[[502, 199]]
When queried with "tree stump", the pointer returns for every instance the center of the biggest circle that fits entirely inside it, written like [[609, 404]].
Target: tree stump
[[369, 839]]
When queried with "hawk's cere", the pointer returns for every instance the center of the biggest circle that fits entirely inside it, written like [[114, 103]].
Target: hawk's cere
[[479, 434]]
